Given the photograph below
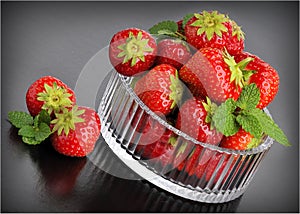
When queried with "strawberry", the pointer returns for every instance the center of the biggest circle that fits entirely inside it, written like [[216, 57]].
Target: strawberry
[[174, 52], [213, 29], [215, 74], [194, 120], [132, 51], [158, 143], [242, 140], [74, 135], [265, 77], [49, 93], [160, 89]]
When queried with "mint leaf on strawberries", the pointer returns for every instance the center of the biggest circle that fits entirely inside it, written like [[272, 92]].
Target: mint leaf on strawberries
[[168, 28], [249, 97], [186, 18], [33, 130], [232, 115], [224, 120], [270, 127]]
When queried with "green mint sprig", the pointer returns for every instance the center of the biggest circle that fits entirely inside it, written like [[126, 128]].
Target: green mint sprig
[[186, 18], [33, 130], [231, 115], [168, 28]]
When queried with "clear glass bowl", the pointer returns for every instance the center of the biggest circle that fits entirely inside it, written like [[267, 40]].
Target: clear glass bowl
[[212, 175]]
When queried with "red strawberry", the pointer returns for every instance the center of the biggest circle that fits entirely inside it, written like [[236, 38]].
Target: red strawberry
[[174, 52], [49, 93], [242, 140], [194, 120], [76, 131], [213, 29], [132, 51], [203, 163], [158, 143], [160, 89], [215, 73], [265, 77]]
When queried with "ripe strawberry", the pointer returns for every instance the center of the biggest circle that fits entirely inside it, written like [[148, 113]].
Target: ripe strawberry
[[194, 120], [132, 51], [265, 77], [160, 89], [213, 29], [158, 143], [242, 140], [49, 93], [174, 52], [215, 74], [74, 135]]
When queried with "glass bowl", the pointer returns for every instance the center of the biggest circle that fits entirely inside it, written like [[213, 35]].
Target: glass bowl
[[190, 169]]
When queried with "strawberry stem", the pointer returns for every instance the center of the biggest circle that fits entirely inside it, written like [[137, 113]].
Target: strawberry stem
[[134, 48], [176, 89], [239, 74], [55, 98], [66, 120], [210, 23]]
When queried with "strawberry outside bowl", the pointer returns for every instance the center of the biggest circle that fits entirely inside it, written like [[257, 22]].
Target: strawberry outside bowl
[[190, 169]]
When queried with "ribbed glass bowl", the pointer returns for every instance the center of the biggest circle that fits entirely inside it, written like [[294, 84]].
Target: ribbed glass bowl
[[214, 175]]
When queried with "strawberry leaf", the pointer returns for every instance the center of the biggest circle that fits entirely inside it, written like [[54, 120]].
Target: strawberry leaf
[[270, 127], [20, 119], [249, 97], [224, 119]]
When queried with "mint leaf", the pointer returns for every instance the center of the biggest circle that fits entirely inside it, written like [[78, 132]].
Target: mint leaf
[[186, 18], [19, 119], [42, 132], [224, 120], [169, 26], [27, 131], [44, 117], [270, 127], [30, 140], [250, 123], [249, 97]]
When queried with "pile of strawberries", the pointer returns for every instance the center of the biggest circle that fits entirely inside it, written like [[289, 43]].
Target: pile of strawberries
[[53, 114], [195, 74]]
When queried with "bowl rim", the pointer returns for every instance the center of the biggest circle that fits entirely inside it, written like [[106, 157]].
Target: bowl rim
[[268, 141]]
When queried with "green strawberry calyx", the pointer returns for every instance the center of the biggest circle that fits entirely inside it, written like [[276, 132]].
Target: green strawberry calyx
[[66, 120], [176, 90], [134, 48], [237, 31], [210, 109], [210, 23], [239, 74], [55, 98]]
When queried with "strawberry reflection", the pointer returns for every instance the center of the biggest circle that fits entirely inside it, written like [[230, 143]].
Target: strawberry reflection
[[58, 173]]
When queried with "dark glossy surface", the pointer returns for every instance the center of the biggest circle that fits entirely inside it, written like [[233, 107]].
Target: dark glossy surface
[[59, 38]]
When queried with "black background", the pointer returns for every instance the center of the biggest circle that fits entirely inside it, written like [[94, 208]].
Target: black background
[[59, 38]]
